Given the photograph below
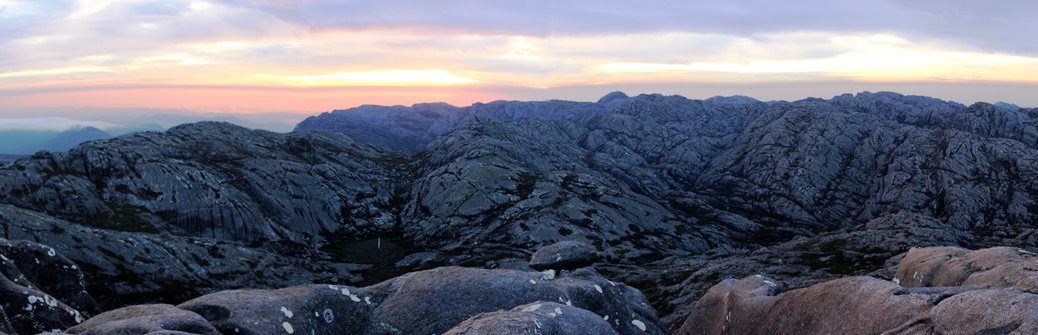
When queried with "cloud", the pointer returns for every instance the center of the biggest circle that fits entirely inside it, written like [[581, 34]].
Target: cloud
[[1001, 25], [230, 55]]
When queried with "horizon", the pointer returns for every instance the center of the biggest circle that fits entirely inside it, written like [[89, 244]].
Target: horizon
[[244, 58]]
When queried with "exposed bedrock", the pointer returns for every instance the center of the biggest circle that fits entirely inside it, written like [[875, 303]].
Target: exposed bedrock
[[40, 290], [946, 290]]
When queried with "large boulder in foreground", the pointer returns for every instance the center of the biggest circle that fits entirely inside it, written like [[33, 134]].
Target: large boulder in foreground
[[425, 302], [546, 318], [860, 305], [853, 305], [145, 319], [1000, 267]]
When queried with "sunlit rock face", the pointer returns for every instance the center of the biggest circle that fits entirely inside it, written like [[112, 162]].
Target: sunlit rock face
[[937, 290]]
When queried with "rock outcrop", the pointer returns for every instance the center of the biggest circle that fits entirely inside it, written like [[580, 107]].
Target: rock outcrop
[[214, 180], [454, 300], [1001, 267], [128, 267], [943, 290], [860, 305], [40, 290]]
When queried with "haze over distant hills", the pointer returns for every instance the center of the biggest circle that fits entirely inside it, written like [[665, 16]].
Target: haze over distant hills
[[62, 129]]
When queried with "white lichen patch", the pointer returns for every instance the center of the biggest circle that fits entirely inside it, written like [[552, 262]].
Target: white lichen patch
[[288, 327], [558, 310], [532, 308], [51, 252], [534, 282], [598, 288], [548, 275], [639, 324], [75, 315], [287, 312], [329, 316], [354, 298]]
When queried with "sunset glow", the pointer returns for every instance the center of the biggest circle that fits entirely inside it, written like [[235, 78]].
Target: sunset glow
[[312, 56]]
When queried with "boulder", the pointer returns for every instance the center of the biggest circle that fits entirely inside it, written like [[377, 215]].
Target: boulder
[[564, 255], [999, 267], [424, 302], [145, 319], [853, 305], [547, 318], [860, 305], [1002, 311], [309, 309]]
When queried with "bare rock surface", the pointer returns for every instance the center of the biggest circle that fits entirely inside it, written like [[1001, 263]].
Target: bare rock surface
[[145, 319], [860, 305], [1000, 267], [564, 255], [40, 290], [131, 267], [424, 302], [548, 318]]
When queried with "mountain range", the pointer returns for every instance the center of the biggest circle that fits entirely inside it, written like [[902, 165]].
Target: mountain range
[[674, 194]]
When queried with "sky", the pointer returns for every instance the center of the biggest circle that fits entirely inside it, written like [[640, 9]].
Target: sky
[[74, 58]]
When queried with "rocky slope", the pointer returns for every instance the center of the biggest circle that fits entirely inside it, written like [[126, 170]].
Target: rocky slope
[[675, 194], [213, 180]]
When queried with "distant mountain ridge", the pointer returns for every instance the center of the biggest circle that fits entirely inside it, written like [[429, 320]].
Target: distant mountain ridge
[[27, 142]]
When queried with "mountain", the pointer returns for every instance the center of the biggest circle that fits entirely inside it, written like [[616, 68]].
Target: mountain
[[9, 158], [26, 142], [674, 193]]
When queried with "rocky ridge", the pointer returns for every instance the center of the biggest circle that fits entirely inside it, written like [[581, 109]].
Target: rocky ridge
[[675, 194]]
